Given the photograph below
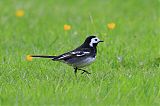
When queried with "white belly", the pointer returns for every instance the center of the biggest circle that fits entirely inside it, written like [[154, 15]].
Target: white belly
[[84, 62]]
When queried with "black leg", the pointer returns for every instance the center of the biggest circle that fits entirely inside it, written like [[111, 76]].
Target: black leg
[[75, 71], [84, 71]]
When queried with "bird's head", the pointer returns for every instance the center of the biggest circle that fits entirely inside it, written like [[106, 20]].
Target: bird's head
[[92, 41]]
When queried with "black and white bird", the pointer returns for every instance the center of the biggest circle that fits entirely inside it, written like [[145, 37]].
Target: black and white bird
[[80, 57]]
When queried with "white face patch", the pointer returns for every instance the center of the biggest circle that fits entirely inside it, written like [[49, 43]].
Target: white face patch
[[94, 40]]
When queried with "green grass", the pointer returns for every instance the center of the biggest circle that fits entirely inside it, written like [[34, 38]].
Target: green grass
[[133, 81]]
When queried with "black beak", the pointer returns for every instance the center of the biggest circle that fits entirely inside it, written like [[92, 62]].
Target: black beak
[[101, 41]]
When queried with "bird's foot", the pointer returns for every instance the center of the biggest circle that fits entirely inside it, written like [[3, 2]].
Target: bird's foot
[[84, 71]]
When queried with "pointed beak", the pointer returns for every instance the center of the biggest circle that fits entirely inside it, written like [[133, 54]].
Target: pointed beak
[[101, 41]]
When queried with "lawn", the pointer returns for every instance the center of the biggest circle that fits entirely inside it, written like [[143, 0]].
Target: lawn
[[127, 68]]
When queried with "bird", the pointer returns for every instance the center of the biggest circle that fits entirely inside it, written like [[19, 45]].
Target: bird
[[80, 57]]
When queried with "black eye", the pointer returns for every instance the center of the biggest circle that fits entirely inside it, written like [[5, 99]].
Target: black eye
[[95, 39]]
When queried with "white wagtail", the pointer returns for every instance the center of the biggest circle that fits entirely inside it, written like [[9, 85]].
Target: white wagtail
[[79, 57]]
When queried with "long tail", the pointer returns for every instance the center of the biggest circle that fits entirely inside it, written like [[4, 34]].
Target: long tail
[[40, 56]]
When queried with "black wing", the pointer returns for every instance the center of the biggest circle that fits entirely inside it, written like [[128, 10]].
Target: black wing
[[73, 54]]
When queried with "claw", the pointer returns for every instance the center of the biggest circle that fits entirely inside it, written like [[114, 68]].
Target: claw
[[84, 71]]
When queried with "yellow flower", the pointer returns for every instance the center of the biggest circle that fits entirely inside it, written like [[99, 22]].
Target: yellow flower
[[29, 58], [111, 26], [67, 27], [20, 13]]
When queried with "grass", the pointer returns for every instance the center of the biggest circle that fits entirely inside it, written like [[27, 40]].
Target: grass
[[126, 71]]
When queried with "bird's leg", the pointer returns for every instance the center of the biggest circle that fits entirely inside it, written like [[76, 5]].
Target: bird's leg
[[75, 71], [84, 71]]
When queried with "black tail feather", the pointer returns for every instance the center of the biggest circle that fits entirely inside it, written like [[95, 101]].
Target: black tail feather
[[40, 56]]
